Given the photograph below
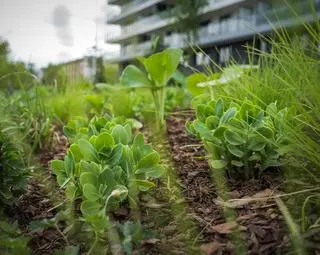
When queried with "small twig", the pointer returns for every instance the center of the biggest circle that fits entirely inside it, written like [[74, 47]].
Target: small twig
[[273, 197]]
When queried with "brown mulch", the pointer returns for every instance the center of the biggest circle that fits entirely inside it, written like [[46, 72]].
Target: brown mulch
[[36, 204], [260, 222]]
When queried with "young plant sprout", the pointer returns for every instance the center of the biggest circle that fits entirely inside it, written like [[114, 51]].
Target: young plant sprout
[[159, 67]]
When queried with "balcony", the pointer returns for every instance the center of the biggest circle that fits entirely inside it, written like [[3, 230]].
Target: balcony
[[144, 25], [132, 8]]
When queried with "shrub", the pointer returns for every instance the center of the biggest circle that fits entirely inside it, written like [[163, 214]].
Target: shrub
[[242, 137]]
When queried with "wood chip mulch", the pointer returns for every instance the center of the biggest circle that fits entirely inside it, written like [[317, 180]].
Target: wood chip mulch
[[259, 222]]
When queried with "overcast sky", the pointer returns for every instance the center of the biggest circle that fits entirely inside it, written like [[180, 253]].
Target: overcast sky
[[43, 31]]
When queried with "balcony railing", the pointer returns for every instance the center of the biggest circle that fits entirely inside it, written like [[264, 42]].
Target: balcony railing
[[143, 25], [133, 7]]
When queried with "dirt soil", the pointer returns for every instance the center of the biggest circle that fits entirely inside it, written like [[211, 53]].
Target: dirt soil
[[259, 222]]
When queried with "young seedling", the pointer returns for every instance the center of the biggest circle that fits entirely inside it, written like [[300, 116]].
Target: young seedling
[[159, 68]]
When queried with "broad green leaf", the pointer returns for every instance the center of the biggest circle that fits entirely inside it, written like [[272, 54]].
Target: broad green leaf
[[228, 115], [201, 112], [138, 140], [202, 130], [57, 166], [90, 192], [152, 172], [256, 143], [88, 177], [144, 185], [219, 132], [161, 66], [218, 164], [150, 160], [69, 132], [68, 165], [87, 150], [71, 191], [99, 222], [212, 122], [266, 132], [237, 163], [132, 76], [190, 129], [255, 157], [75, 151], [91, 167], [116, 155], [104, 140], [120, 135], [106, 178], [219, 107], [236, 151], [192, 83], [127, 160], [234, 138]]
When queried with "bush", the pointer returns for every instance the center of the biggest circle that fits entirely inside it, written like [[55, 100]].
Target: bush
[[242, 137]]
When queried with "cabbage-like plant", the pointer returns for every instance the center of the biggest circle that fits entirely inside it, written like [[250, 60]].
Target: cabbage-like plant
[[159, 67], [104, 167], [242, 137]]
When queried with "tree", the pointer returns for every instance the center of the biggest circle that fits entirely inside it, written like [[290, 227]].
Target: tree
[[100, 72]]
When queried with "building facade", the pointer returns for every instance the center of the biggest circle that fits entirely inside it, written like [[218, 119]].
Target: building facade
[[226, 27]]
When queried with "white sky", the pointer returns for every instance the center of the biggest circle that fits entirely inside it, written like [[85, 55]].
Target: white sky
[[28, 26]]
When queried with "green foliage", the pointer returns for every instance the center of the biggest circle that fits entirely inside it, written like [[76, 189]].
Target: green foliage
[[11, 240], [29, 115], [242, 136], [104, 165], [160, 67], [13, 170]]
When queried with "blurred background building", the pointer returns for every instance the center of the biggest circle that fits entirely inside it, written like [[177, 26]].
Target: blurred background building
[[226, 26]]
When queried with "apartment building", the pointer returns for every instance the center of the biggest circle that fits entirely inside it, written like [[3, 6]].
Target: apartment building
[[226, 27]]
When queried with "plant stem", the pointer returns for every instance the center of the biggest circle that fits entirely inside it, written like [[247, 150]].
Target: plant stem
[[94, 244], [159, 97]]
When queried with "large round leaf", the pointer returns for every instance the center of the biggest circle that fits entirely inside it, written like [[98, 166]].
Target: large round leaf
[[132, 76], [192, 83]]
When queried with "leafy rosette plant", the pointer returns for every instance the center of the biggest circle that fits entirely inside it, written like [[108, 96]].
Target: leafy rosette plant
[[241, 136], [104, 167], [160, 68]]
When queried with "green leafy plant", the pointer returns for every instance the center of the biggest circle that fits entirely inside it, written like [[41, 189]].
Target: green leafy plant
[[13, 170], [11, 239], [105, 167], [242, 136], [160, 67]]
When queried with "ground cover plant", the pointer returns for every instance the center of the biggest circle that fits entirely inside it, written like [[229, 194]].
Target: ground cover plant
[[104, 167], [243, 136]]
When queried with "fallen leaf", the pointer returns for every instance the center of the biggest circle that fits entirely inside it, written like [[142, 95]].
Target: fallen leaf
[[151, 241], [225, 228], [210, 248]]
